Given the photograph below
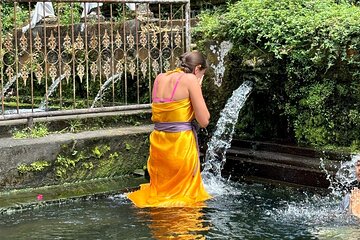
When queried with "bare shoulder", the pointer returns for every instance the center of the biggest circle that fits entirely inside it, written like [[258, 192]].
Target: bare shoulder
[[160, 76], [188, 78]]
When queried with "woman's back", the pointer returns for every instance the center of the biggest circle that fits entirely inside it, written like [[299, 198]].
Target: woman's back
[[176, 86], [170, 87]]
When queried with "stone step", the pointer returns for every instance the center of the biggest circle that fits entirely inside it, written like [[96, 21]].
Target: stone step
[[284, 164], [24, 199], [290, 149], [290, 160]]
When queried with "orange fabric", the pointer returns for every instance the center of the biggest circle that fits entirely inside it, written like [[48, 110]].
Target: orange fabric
[[180, 223], [173, 163]]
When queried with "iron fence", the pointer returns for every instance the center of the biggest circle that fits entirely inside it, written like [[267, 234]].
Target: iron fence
[[72, 57]]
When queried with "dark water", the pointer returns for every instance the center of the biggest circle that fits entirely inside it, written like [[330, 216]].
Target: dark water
[[242, 212]]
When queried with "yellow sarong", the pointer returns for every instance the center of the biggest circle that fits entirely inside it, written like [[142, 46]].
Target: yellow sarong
[[173, 163]]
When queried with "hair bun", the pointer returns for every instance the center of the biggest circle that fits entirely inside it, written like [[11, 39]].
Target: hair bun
[[185, 67], [189, 61]]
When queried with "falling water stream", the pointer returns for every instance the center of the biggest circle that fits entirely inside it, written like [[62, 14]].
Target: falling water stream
[[9, 84], [53, 88], [44, 101], [220, 141], [50, 91], [113, 79]]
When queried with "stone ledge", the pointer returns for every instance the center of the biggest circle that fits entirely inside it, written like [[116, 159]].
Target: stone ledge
[[84, 155], [289, 165], [103, 133], [25, 199]]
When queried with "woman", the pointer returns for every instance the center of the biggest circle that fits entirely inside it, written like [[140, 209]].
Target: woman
[[173, 163]]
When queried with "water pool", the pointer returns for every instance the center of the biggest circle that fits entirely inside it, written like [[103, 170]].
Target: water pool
[[242, 211]]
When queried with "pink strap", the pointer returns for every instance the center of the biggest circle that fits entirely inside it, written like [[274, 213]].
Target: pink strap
[[176, 84], [156, 83]]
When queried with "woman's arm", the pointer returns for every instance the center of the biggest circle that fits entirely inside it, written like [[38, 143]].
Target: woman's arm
[[202, 114]]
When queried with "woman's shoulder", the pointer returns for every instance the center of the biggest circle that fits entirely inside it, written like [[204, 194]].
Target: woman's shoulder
[[188, 77], [184, 78]]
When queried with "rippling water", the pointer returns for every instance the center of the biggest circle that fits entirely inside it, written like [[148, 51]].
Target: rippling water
[[245, 212]]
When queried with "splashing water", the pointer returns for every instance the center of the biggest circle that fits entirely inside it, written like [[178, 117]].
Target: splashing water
[[50, 91], [345, 175], [99, 95], [324, 211], [221, 140], [9, 84], [221, 53]]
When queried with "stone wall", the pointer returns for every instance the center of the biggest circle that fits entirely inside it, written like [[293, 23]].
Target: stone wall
[[71, 157]]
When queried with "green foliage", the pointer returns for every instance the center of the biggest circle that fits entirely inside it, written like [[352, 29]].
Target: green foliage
[[69, 12], [80, 163], [99, 151], [75, 125], [311, 62], [33, 167], [122, 13], [38, 130], [128, 146], [8, 19], [65, 164]]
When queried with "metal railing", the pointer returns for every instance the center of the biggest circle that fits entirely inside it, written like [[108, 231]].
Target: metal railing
[[77, 60]]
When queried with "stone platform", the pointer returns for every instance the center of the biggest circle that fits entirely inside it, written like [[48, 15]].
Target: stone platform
[[282, 164]]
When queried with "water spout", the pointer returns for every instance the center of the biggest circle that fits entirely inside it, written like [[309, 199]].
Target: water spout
[[9, 84], [99, 95], [221, 140], [50, 91], [221, 53]]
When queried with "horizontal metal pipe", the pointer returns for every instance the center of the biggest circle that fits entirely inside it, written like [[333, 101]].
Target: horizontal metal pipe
[[74, 111], [71, 117]]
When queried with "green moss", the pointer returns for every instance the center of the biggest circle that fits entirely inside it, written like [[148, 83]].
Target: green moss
[[95, 159], [99, 151], [128, 146], [88, 163], [33, 167]]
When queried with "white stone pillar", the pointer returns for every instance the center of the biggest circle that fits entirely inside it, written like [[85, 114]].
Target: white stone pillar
[[87, 7], [41, 11]]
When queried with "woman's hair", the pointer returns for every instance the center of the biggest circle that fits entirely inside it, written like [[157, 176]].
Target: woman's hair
[[189, 60]]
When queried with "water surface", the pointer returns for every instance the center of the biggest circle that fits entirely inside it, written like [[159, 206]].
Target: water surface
[[242, 211]]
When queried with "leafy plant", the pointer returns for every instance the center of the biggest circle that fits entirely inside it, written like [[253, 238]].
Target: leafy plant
[[74, 125], [68, 12], [8, 19], [38, 130], [33, 167], [310, 68]]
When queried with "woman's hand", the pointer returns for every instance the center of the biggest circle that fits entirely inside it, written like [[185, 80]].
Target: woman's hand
[[355, 202], [200, 80]]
